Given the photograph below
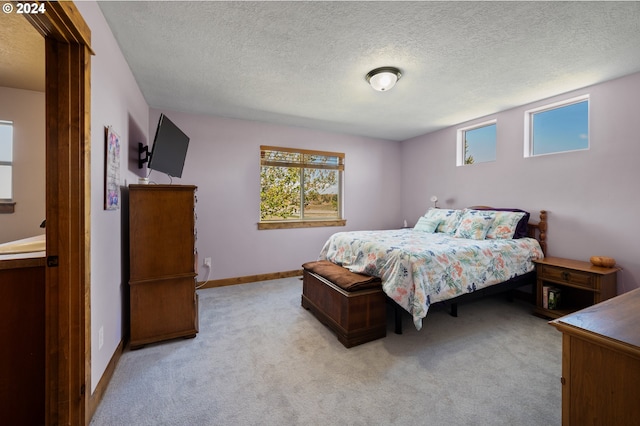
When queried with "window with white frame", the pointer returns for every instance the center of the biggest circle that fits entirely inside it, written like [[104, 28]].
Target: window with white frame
[[300, 188], [6, 161], [477, 143], [558, 127]]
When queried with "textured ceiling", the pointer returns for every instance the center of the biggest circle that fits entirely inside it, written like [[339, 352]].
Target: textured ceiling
[[304, 63], [21, 54]]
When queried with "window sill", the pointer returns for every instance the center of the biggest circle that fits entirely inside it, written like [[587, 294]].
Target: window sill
[[7, 207], [290, 224]]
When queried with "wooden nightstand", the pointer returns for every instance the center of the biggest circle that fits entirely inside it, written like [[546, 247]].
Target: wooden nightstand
[[580, 283]]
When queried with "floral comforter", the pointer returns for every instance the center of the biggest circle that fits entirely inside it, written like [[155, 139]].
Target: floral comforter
[[419, 268]]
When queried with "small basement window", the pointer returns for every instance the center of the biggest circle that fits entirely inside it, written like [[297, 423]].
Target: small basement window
[[558, 127], [6, 167], [476, 144]]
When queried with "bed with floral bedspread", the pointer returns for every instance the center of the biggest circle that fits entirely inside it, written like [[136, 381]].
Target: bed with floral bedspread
[[420, 268]]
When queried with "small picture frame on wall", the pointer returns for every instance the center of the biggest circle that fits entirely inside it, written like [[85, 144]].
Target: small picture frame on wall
[[111, 170]]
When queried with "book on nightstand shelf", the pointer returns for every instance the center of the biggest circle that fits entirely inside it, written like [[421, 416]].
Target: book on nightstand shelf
[[554, 298], [545, 296], [550, 297]]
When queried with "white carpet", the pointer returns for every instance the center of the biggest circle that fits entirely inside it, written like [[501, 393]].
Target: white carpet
[[262, 359]]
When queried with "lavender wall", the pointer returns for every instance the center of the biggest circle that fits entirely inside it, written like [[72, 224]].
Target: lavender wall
[[385, 182], [224, 162], [26, 109], [116, 101], [590, 196]]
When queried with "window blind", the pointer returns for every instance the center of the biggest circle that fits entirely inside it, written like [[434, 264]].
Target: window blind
[[291, 157]]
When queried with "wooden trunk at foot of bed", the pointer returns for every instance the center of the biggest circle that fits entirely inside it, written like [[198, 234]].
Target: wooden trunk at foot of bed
[[355, 316]]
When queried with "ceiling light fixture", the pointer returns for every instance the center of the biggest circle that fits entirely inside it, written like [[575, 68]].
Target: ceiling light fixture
[[383, 78]]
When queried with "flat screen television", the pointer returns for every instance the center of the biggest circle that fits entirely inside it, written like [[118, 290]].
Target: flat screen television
[[169, 148]]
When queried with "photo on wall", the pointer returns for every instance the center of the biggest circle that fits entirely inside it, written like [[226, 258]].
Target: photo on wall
[[111, 170]]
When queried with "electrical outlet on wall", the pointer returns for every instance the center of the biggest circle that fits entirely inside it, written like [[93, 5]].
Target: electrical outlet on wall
[[207, 262], [100, 337]]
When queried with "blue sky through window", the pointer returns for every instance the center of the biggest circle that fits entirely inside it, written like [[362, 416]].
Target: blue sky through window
[[481, 143], [561, 129], [6, 141], [6, 159]]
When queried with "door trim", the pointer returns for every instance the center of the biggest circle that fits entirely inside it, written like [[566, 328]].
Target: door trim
[[68, 197]]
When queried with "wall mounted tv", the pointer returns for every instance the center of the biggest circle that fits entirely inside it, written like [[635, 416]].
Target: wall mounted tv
[[169, 148]]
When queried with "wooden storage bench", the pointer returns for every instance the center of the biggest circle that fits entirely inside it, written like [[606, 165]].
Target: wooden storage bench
[[352, 305]]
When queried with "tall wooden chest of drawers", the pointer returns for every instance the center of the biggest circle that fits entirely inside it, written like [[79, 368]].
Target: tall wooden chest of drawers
[[162, 254]]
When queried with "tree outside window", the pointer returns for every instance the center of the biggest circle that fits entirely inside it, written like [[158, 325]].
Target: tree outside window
[[477, 143], [300, 185]]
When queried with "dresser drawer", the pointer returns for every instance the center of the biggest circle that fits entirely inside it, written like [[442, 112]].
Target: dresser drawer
[[564, 275]]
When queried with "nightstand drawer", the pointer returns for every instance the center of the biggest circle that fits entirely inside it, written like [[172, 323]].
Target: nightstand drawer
[[562, 275]]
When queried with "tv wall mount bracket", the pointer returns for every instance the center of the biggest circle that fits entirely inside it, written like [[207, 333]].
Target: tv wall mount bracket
[[143, 149]]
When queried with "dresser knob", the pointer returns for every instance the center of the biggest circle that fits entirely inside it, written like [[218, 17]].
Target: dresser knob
[[565, 275]]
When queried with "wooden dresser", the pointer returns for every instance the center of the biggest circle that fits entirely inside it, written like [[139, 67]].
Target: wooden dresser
[[601, 363], [162, 254]]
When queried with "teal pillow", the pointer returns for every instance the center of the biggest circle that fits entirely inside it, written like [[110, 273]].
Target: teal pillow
[[427, 224]]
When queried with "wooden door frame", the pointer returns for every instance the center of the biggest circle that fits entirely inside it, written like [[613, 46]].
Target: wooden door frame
[[68, 184]]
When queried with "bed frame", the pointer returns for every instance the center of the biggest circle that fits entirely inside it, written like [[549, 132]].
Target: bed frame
[[534, 230]]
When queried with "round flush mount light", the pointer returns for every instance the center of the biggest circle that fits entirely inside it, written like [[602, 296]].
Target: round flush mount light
[[383, 78]]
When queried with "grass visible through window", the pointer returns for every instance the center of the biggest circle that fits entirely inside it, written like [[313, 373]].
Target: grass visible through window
[[300, 185]]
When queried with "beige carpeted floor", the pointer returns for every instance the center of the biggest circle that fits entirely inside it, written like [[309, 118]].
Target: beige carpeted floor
[[261, 359]]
